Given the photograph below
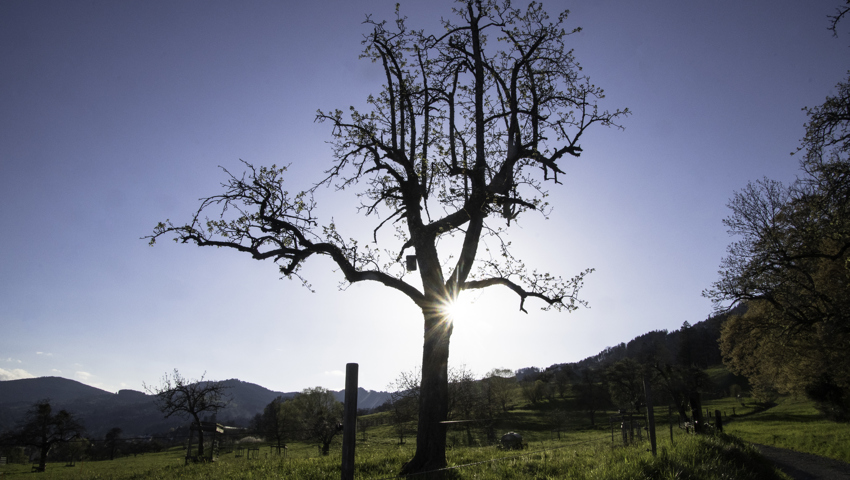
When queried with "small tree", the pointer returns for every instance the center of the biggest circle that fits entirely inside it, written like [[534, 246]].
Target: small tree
[[404, 401], [464, 398], [502, 385], [592, 394], [113, 436], [533, 389], [320, 416], [180, 396], [625, 382], [43, 429], [557, 419], [278, 422], [563, 378]]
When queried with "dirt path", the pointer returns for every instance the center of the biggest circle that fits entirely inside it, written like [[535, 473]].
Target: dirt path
[[805, 466]]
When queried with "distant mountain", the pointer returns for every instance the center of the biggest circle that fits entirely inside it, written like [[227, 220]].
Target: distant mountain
[[55, 388], [133, 411], [366, 399]]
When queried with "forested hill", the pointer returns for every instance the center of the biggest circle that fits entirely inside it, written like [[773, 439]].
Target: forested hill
[[695, 344]]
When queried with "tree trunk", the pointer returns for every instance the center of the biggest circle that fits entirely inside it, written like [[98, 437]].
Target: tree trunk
[[200, 439], [45, 449], [696, 411], [433, 396]]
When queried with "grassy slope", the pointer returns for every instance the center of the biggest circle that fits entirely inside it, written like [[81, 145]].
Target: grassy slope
[[793, 423]]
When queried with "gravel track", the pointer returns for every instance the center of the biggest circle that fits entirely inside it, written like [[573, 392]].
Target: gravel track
[[805, 466]]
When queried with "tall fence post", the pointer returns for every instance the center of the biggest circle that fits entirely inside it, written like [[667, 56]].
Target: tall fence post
[[718, 421], [650, 413], [349, 423]]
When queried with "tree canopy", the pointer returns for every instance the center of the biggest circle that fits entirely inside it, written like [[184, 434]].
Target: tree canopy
[[790, 265], [469, 126]]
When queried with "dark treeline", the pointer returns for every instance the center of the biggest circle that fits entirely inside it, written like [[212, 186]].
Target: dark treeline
[[696, 345]]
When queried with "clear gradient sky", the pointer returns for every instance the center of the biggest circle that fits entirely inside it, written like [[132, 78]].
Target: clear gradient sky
[[116, 115]]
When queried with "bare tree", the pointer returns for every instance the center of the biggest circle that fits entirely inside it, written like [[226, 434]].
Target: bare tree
[[193, 398], [469, 125], [404, 401]]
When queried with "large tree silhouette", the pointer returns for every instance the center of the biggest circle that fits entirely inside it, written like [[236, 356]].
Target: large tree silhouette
[[467, 128]]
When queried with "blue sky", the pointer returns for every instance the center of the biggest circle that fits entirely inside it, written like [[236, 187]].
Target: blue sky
[[116, 115]]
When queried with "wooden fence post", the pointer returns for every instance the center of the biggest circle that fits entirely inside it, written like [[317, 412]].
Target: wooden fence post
[[349, 422], [650, 412]]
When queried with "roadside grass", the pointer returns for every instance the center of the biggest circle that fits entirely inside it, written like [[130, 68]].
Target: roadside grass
[[793, 423]]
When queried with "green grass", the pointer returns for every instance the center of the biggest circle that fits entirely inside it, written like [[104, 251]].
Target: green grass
[[793, 423], [102, 469], [583, 452], [589, 456]]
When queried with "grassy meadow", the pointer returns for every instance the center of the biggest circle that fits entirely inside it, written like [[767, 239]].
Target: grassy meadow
[[793, 423], [579, 451], [588, 456]]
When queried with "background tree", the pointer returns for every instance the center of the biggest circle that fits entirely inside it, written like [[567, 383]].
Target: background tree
[[111, 440], [362, 427], [532, 389], [43, 429], [625, 383], [684, 386], [592, 393], [465, 397], [557, 419], [180, 396], [562, 379], [791, 266], [278, 422], [320, 416], [469, 125], [502, 386], [404, 402]]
